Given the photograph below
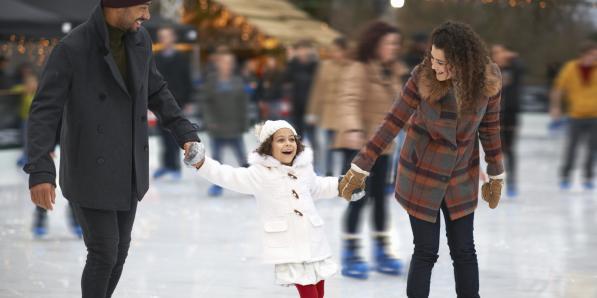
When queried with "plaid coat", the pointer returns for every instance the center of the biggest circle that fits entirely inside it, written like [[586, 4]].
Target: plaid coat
[[440, 156]]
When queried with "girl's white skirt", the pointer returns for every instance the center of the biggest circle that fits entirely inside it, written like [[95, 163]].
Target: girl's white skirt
[[304, 273]]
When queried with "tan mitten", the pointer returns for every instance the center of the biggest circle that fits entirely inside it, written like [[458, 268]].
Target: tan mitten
[[492, 191]]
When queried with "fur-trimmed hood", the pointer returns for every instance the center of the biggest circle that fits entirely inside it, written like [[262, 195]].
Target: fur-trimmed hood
[[433, 90], [302, 160]]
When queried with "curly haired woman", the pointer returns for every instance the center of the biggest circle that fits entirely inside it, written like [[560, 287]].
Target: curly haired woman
[[451, 102]]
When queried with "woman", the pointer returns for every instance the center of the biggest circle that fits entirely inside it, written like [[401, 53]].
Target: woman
[[367, 91], [451, 102]]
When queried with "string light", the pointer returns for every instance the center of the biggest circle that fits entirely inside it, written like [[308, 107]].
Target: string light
[[397, 3]]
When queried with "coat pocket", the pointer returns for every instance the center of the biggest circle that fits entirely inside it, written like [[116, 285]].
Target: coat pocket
[[318, 233], [276, 233], [316, 220]]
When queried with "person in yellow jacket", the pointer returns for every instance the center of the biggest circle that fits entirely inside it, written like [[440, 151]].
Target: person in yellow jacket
[[27, 90], [578, 81]]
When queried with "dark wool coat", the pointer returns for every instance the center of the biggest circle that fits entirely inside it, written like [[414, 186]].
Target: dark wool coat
[[104, 157]]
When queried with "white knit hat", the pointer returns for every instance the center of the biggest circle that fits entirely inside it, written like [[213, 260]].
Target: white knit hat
[[266, 130]]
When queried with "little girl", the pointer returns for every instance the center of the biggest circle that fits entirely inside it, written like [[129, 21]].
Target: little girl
[[282, 179]]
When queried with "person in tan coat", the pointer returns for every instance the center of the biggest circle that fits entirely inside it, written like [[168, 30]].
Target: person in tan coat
[[369, 87], [323, 101]]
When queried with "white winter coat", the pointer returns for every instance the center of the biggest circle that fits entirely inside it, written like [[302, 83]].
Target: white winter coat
[[292, 228]]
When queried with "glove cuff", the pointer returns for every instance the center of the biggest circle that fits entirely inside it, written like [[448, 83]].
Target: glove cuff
[[358, 170], [501, 176]]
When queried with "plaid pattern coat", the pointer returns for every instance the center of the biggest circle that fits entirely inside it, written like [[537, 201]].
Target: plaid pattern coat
[[440, 156]]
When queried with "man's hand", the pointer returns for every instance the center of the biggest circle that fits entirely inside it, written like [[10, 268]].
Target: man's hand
[[492, 191], [353, 182], [194, 154], [44, 195]]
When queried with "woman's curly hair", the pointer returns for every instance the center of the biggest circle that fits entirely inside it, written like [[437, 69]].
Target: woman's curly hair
[[467, 56], [370, 38]]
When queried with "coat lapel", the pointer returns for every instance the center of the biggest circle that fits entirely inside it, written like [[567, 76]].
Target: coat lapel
[[115, 72], [99, 23], [137, 60]]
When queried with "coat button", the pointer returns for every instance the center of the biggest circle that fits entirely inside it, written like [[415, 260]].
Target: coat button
[[295, 194], [100, 161], [100, 129], [102, 96], [31, 167]]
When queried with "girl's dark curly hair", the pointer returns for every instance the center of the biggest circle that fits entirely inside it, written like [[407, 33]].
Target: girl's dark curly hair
[[467, 56], [370, 38]]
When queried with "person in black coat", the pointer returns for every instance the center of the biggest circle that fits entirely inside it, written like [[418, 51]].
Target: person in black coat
[[175, 67], [299, 76], [99, 81], [512, 70]]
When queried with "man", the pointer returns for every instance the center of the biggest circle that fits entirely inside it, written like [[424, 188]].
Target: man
[[578, 80], [99, 81], [175, 67]]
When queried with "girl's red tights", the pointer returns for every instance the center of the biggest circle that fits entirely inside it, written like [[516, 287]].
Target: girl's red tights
[[310, 291]]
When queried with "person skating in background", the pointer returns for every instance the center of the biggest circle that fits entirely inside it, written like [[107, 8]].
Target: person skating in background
[[225, 112], [299, 75], [5, 81], [26, 91], [40, 227], [417, 50], [175, 68], [577, 80], [270, 95], [322, 108], [369, 87], [512, 70], [282, 180]]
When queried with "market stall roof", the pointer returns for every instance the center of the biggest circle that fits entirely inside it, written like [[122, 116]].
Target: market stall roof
[[19, 18], [282, 20], [77, 12], [74, 11]]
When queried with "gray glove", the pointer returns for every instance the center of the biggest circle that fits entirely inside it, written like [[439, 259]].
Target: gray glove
[[357, 196], [196, 154]]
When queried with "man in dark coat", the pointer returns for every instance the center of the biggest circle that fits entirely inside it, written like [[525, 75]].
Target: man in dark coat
[[175, 67], [99, 81]]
